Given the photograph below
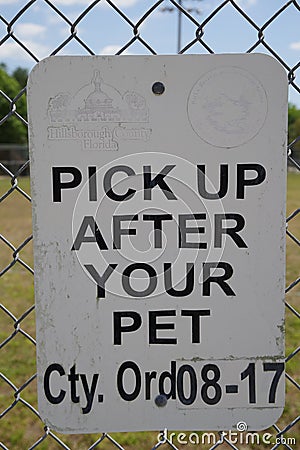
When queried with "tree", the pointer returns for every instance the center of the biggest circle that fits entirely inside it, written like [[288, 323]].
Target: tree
[[294, 129], [21, 75], [12, 130]]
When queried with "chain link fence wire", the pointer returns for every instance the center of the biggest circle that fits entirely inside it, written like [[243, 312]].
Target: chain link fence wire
[[21, 426]]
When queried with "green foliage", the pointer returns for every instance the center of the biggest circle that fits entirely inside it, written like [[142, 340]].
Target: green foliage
[[13, 130], [21, 75], [294, 129]]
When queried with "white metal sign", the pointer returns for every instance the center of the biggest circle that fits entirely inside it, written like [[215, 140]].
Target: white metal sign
[[158, 188]]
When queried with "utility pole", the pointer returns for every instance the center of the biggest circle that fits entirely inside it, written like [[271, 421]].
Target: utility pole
[[174, 8]]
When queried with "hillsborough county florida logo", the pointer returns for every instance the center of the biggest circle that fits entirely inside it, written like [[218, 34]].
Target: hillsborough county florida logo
[[90, 116]]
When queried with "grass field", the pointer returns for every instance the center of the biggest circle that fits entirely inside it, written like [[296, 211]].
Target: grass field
[[20, 428]]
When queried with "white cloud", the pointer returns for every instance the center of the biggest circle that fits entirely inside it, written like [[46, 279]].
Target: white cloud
[[295, 45], [251, 2], [112, 50], [126, 3], [210, 5], [14, 51], [29, 30], [121, 3], [55, 20], [246, 3], [71, 2]]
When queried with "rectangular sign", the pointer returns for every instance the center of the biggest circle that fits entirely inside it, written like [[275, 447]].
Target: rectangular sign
[[158, 188]]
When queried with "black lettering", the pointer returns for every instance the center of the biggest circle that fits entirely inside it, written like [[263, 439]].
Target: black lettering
[[250, 373], [151, 276], [149, 376], [118, 231], [242, 181], [189, 283], [211, 384], [107, 183], [119, 328], [158, 180], [171, 376], [89, 222], [129, 397], [183, 230], [58, 185], [100, 279], [55, 400], [92, 174], [195, 315], [73, 377], [89, 392], [154, 326], [157, 222], [220, 280], [278, 368], [201, 175], [231, 231], [180, 385]]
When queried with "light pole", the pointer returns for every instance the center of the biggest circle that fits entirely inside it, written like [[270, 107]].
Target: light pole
[[179, 28], [174, 8]]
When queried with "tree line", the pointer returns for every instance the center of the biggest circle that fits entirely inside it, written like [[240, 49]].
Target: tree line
[[13, 131], [294, 128]]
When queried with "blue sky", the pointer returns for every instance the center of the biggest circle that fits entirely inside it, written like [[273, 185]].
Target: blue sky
[[42, 29]]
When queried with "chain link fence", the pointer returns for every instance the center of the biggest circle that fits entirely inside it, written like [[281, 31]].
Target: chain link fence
[[21, 426]]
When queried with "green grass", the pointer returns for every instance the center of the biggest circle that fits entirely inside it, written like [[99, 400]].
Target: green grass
[[20, 428]]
